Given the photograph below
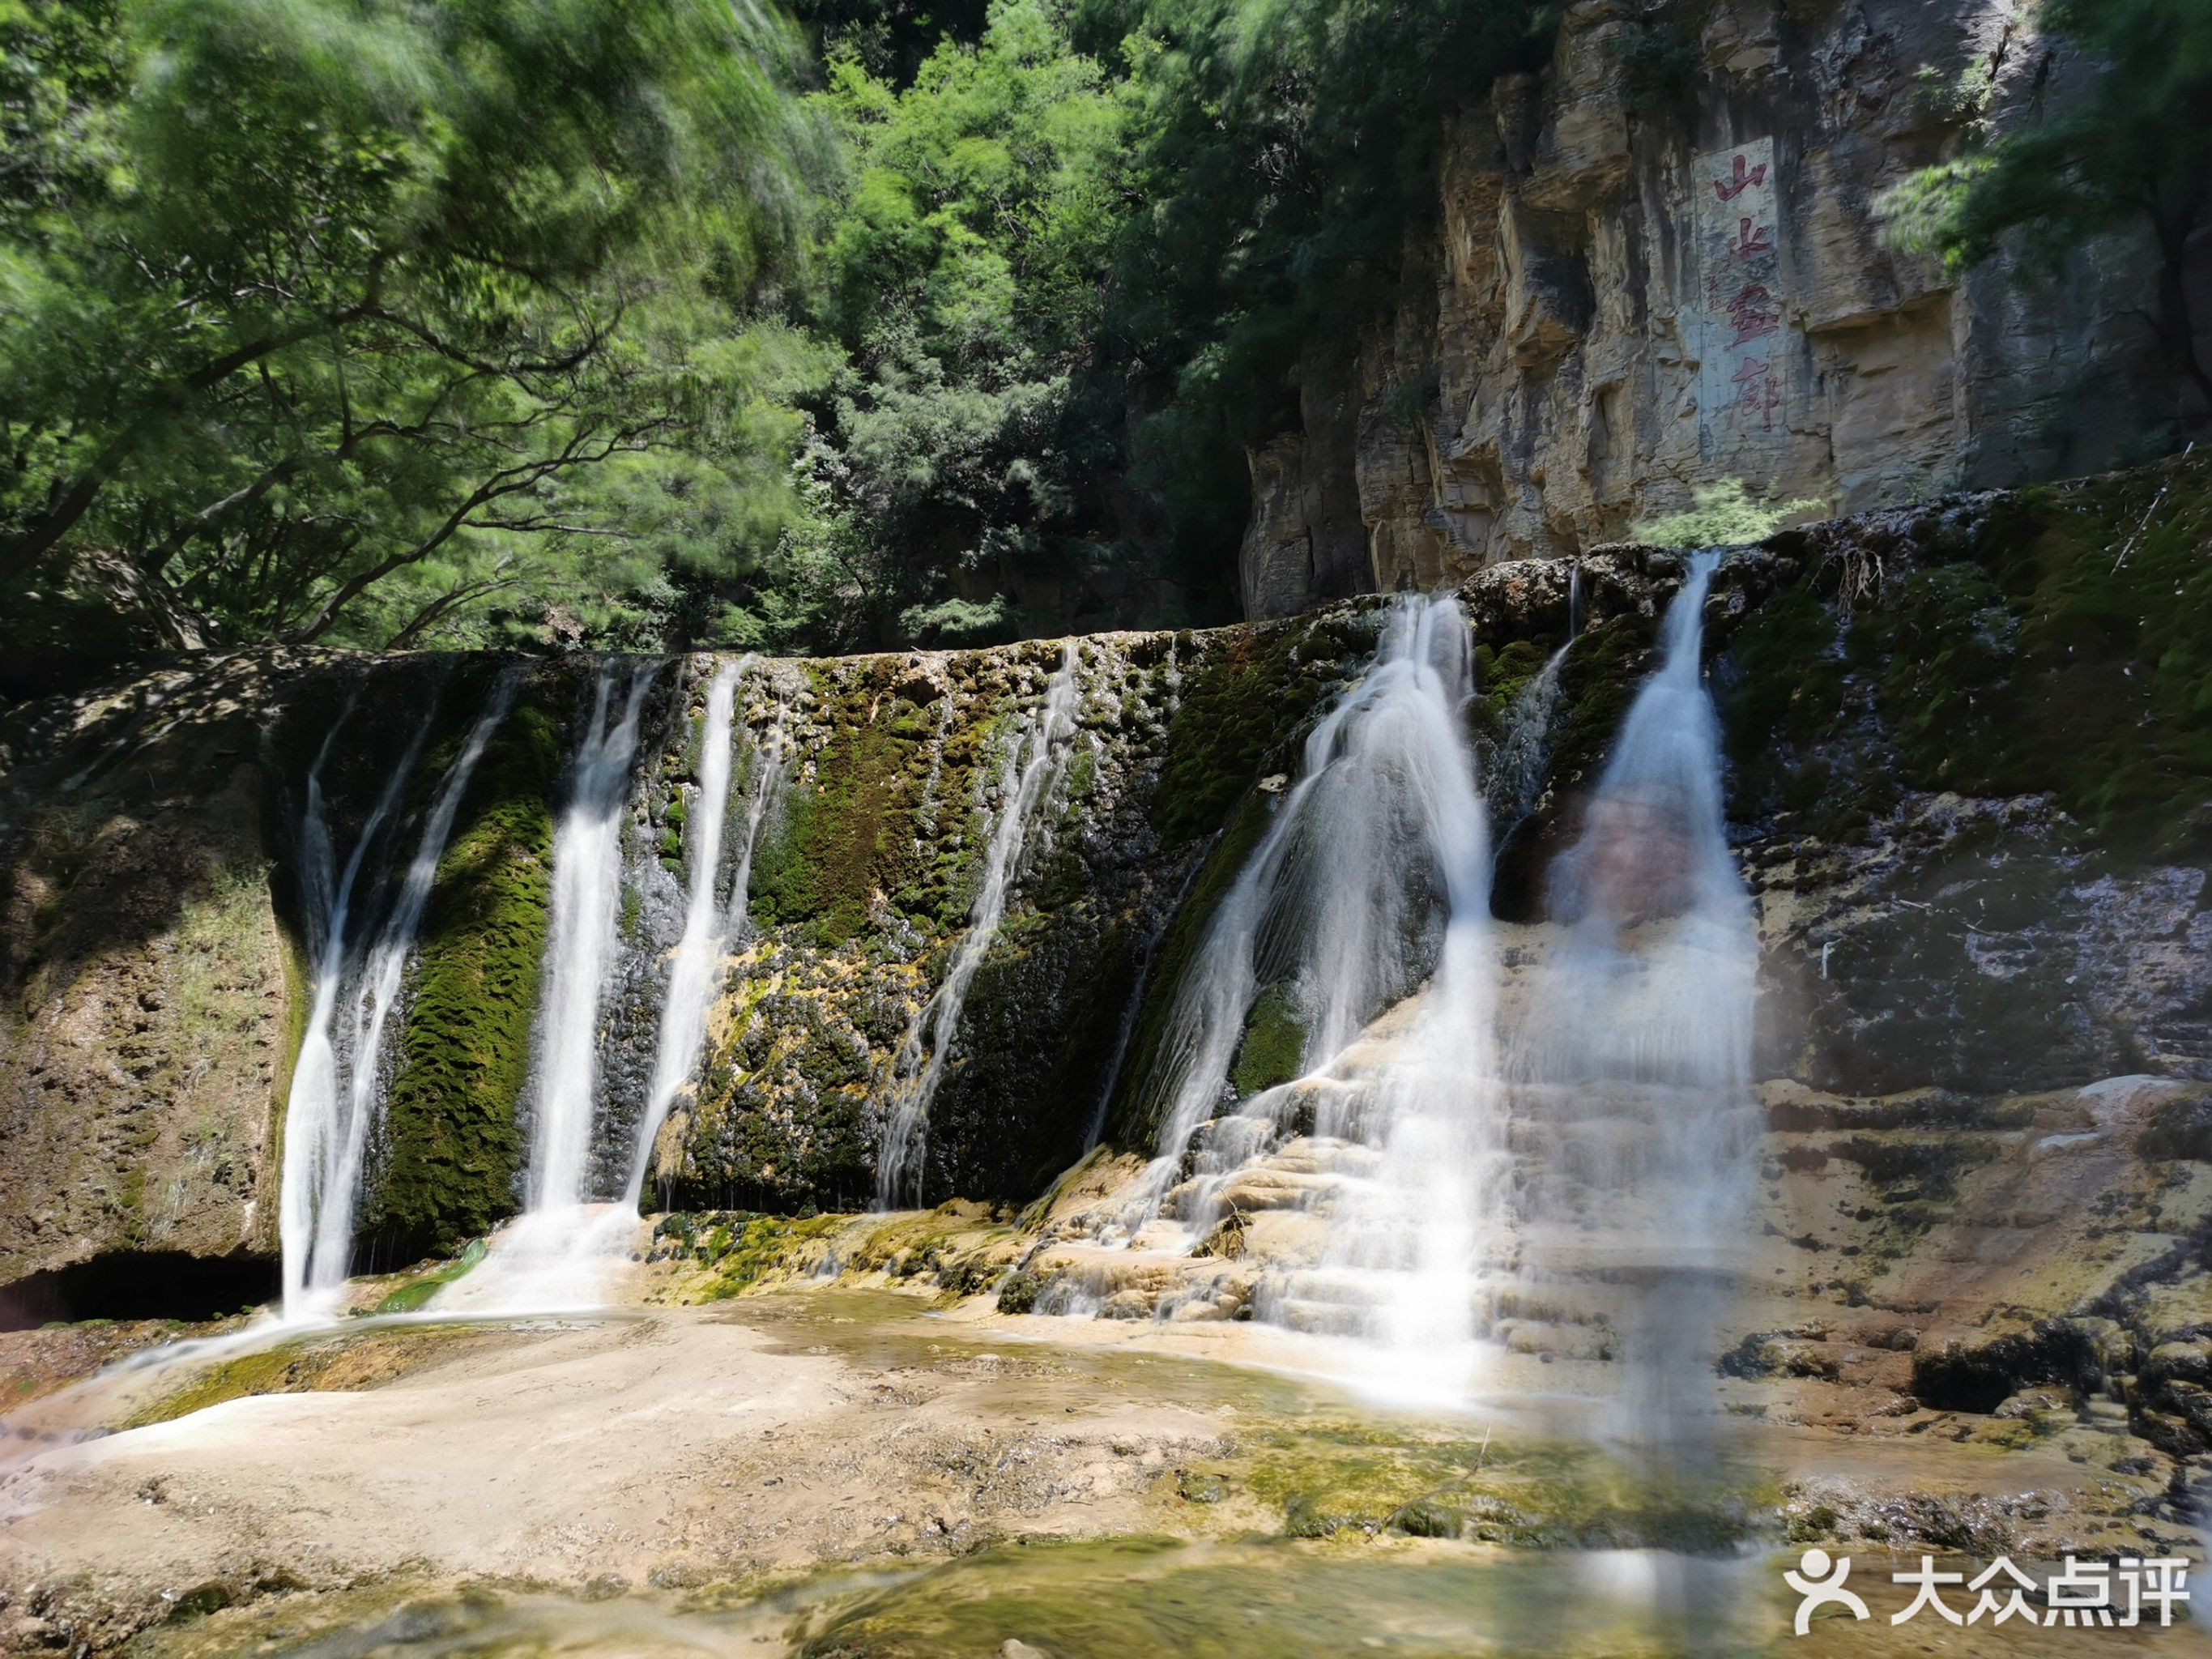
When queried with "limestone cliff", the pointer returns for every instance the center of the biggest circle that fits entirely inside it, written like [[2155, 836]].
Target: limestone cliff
[[1661, 263]]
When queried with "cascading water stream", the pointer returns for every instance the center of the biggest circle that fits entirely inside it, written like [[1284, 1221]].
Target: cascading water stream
[[1523, 753], [1373, 874], [328, 1145], [1518, 762], [582, 935], [711, 925], [1032, 768], [1636, 1058], [547, 1259], [315, 1106]]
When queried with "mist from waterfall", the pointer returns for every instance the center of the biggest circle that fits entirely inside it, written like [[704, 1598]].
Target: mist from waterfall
[[338, 1081], [1032, 766], [1632, 1069], [713, 923]]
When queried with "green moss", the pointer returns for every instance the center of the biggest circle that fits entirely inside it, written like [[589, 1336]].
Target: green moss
[[1238, 713], [273, 1371], [1503, 671], [2071, 654], [1132, 1115], [1785, 699], [416, 1291], [453, 1145], [852, 835], [1597, 683], [740, 1247], [1273, 1047]]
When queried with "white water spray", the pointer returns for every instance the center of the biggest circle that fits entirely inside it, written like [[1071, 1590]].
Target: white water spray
[[582, 935], [1637, 1061], [1032, 768], [1373, 874], [549, 1259]]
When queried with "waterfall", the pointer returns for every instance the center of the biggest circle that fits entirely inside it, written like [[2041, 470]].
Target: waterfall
[[1372, 874], [1637, 1056], [583, 932], [711, 925], [1523, 753], [1032, 766], [548, 1259], [338, 1080], [1519, 761]]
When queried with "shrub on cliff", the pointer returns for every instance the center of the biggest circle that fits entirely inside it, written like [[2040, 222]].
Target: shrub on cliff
[[2134, 147]]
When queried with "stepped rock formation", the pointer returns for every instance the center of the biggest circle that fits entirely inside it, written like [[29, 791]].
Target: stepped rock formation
[[1968, 793], [1662, 263]]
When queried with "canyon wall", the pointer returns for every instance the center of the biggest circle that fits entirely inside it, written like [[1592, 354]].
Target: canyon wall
[[1662, 264], [1972, 790]]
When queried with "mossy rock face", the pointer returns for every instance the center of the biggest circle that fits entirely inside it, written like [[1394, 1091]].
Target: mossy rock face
[[1974, 803], [1021, 1090], [1272, 1049], [1242, 706], [452, 1147], [1133, 1115]]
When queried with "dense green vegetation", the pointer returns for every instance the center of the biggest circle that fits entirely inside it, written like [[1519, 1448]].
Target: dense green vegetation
[[665, 321]]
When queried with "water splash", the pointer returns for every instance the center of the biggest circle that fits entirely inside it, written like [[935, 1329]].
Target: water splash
[[712, 924], [552, 1257], [1372, 875], [583, 934], [1033, 765], [336, 1084]]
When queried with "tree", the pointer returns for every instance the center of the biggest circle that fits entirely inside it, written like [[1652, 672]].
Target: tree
[[1284, 149], [2135, 146], [964, 274], [305, 300]]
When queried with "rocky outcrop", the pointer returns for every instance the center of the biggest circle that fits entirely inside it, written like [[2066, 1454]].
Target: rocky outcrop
[[145, 1038], [1663, 264], [1968, 787]]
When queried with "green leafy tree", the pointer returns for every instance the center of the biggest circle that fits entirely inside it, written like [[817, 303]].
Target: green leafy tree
[[2134, 147], [964, 274], [306, 300], [1285, 148]]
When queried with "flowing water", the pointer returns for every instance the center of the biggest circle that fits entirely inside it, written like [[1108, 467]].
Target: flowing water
[[1084, 1600], [714, 916], [1522, 758], [1371, 879], [546, 1260], [1357, 932], [1033, 765], [336, 1084], [1634, 1066]]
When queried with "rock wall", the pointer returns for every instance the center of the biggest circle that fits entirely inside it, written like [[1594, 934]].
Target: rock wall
[[1660, 264], [1971, 785]]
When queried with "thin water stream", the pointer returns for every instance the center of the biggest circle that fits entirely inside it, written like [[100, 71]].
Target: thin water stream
[[1031, 768]]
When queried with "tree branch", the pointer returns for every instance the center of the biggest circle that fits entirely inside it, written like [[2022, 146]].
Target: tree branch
[[28, 545]]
